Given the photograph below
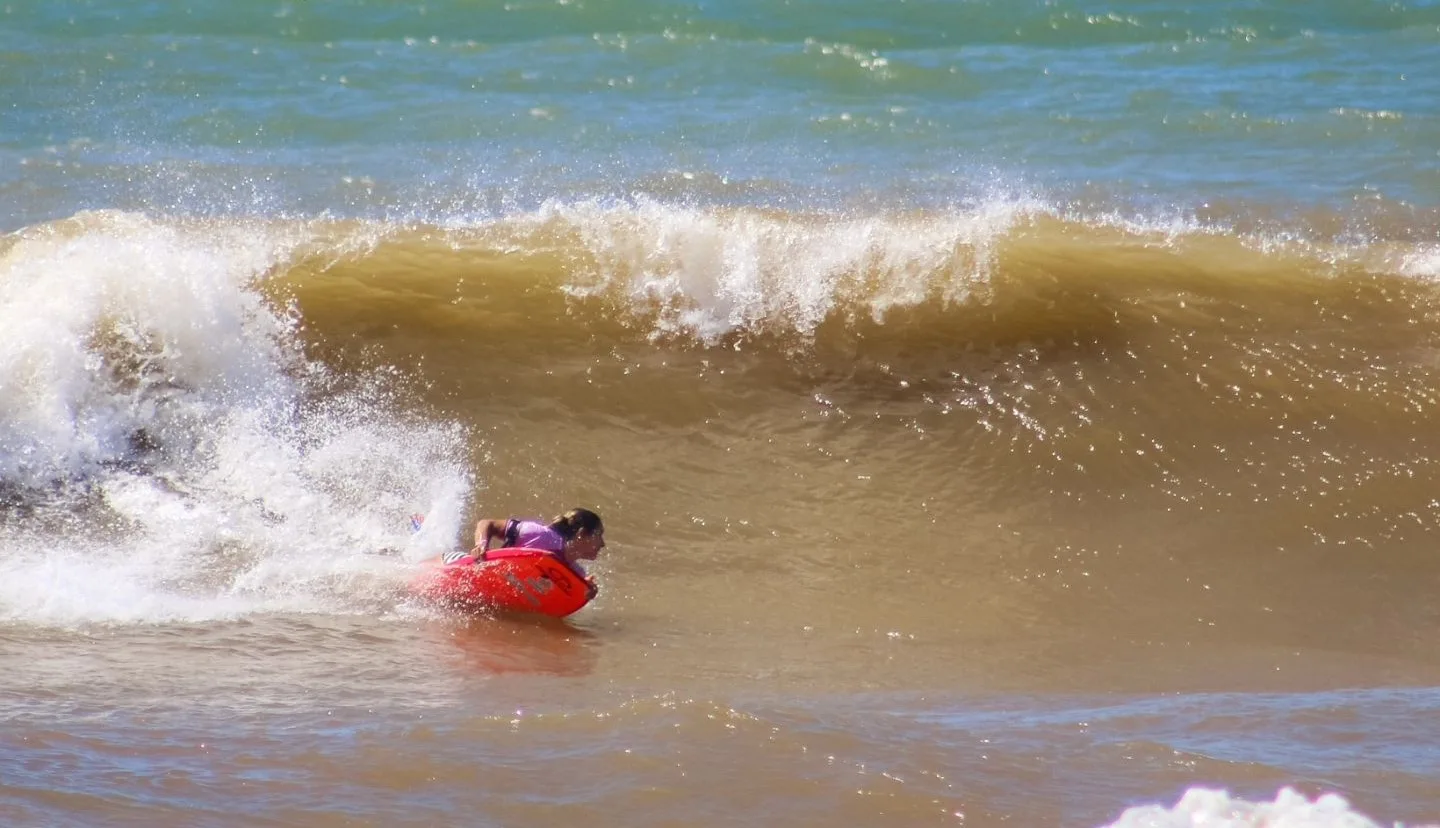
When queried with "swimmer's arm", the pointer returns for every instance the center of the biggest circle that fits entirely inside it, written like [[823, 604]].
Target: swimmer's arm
[[485, 531]]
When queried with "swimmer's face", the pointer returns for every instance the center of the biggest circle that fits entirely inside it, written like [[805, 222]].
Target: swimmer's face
[[586, 546]]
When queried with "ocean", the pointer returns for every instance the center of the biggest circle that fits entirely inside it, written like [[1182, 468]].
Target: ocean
[[1002, 413]]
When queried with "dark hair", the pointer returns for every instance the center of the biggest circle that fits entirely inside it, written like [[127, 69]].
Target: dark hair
[[576, 521]]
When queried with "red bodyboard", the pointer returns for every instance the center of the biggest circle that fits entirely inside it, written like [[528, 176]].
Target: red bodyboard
[[514, 580]]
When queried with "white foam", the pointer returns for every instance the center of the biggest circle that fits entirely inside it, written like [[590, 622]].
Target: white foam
[[174, 303], [1422, 264], [711, 272], [1217, 809], [167, 457]]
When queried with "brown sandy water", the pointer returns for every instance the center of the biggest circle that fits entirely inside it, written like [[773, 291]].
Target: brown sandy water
[[911, 520]]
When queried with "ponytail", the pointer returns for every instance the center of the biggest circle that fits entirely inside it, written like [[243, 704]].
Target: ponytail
[[575, 521]]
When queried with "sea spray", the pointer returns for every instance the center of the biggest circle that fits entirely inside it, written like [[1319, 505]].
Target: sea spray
[[174, 453]]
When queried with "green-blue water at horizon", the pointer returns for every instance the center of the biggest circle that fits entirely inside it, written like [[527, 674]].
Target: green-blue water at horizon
[[439, 110]]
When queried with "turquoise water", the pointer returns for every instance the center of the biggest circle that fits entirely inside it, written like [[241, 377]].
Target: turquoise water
[[451, 109]]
